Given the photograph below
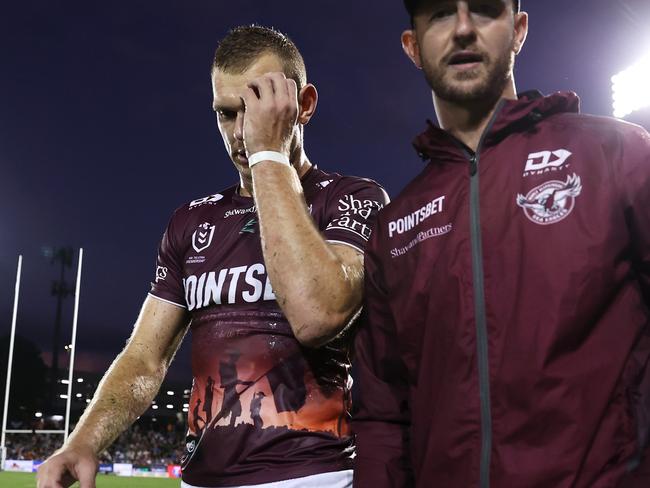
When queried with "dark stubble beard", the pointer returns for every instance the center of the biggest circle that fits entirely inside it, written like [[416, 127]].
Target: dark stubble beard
[[499, 72]]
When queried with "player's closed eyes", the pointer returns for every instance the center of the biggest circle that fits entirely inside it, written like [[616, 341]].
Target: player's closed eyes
[[226, 114]]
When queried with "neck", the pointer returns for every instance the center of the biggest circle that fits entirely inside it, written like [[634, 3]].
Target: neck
[[299, 161], [467, 121]]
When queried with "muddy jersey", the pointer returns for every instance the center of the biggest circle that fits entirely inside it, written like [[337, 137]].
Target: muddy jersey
[[263, 408]]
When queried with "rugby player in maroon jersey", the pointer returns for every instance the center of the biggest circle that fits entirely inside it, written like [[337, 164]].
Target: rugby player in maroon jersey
[[266, 274]]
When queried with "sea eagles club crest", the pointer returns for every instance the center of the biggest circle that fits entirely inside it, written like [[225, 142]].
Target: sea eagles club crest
[[552, 201], [202, 237]]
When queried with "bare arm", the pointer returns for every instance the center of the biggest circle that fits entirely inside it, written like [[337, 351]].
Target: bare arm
[[125, 392], [318, 285]]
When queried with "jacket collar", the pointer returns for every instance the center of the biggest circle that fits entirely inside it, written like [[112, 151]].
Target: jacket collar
[[514, 116]]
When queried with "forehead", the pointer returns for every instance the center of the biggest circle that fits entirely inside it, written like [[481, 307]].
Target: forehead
[[230, 85], [428, 4]]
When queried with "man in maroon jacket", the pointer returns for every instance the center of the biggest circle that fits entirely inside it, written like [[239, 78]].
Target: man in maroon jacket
[[505, 342]]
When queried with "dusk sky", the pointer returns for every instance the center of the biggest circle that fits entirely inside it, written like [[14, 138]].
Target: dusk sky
[[106, 125]]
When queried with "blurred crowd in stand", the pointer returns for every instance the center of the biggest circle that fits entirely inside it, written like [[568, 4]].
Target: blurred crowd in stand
[[144, 444]]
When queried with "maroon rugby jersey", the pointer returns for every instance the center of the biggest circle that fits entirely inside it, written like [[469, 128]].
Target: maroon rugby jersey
[[263, 408]]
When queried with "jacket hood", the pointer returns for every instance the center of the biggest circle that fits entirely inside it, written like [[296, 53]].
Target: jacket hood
[[513, 116]]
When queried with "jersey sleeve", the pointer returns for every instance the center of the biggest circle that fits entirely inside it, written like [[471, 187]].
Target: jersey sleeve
[[382, 417], [635, 179], [353, 210], [168, 279]]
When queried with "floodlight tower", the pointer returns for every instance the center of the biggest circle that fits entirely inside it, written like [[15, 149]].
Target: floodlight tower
[[61, 290]]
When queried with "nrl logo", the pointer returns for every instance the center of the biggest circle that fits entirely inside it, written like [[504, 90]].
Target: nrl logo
[[202, 237], [552, 201]]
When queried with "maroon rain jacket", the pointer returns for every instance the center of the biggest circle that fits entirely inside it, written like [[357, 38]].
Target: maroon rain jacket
[[505, 339]]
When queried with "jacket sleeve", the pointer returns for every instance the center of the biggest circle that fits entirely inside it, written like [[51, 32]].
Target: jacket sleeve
[[635, 179], [382, 418]]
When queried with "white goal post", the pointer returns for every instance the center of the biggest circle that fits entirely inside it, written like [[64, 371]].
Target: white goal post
[[73, 345]]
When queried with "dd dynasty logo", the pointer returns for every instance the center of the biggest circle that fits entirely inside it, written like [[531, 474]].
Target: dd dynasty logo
[[552, 201], [202, 237], [543, 162]]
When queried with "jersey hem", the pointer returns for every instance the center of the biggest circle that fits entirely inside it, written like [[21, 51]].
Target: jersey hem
[[345, 478], [167, 301], [273, 478]]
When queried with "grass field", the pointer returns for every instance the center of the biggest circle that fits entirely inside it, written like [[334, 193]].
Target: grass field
[[28, 480]]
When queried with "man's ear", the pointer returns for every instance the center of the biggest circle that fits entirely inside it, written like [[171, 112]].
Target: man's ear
[[307, 101], [411, 47], [521, 31]]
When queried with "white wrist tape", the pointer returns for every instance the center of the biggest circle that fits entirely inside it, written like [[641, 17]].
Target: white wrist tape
[[276, 157]]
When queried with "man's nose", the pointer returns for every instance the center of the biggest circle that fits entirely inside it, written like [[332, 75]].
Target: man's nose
[[465, 29], [239, 126]]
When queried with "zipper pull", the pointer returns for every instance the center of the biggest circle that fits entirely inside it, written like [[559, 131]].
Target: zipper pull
[[473, 166]]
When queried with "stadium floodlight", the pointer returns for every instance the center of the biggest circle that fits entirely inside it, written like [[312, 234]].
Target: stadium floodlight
[[78, 395], [80, 380], [170, 406], [63, 396], [630, 88], [170, 393], [186, 405], [38, 415], [64, 382], [155, 407]]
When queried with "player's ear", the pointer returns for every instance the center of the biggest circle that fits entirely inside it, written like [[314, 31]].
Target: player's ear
[[521, 30], [411, 47], [307, 101]]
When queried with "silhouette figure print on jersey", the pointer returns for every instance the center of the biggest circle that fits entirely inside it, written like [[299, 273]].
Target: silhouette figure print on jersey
[[197, 417], [287, 380], [256, 407], [209, 395], [229, 382]]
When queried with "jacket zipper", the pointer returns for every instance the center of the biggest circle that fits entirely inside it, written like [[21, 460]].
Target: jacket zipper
[[479, 306]]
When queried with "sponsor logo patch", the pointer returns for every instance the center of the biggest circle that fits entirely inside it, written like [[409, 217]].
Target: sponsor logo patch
[[202, 237], [552, 201], [190, 446], [354, 214], [241, 284], [421, 237], [414, 219], [161, 273], [249, 227], [239, 211], [546, 161], [323, 184], [206, 200]]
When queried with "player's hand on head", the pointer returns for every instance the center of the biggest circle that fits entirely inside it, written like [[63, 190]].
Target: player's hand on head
[[67, 466], [271, 113]]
